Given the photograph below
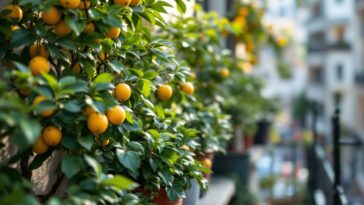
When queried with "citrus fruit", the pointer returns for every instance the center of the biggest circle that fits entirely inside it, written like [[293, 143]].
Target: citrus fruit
[[224, 72], [122, 2], [52, 135], [116, 115], [62, 29], [37, 100], [89, 110], [164, 92], [206, 163], [76, 68], [52, 16], [134, 2], [193, 76], [39, 146], [82, 4], [106, 142], [102, 56], [70, 4], [15, 12], [113, 32], [38, 65], [188, 88], [282, 41], [90, 27], [186, 148], [38, 50], [97, 123], [122, 92], [249, 46]]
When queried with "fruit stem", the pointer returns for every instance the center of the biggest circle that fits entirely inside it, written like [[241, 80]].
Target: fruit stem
[[86, 9]]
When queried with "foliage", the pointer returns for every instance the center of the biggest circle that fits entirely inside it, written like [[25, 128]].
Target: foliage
[[145, 147]]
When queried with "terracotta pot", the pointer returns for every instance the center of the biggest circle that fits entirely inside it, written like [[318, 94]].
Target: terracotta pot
[[207, 155], [162, 198]]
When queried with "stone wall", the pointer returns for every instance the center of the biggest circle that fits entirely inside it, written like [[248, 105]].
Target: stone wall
[[45, 176]]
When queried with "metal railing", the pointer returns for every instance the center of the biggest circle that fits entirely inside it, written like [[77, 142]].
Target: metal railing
[[325, 180]]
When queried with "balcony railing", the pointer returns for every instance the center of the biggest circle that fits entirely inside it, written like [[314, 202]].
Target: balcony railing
[[339, 45], [322, 46], [322, 177]]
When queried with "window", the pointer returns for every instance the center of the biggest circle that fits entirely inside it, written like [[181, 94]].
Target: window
[[339, 72]]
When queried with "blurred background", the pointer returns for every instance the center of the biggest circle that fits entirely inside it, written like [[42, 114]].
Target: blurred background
[[296, 159]]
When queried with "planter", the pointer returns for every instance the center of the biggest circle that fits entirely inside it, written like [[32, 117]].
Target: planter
[[207, 155], [233, 164], [162, 198], [261, 136], [192, 195]]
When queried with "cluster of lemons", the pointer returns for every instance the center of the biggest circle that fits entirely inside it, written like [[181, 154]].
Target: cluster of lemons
[[39, 63]]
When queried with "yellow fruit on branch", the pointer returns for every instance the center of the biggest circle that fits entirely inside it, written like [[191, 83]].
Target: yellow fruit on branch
[[282, 41], [37, 100], [38, 50], [39, 147], [188, 88], [116, 115], [102, 56], [15, 12], [97, 123], [104, 143], [52, 135], [62, 29], [206, 163], [84, 4], [89, 110], [76, 68], [186, 148], [123, 3], [52, 16], [113, 32], [134, 3], [122, 92], [164, 92], [193, 76], [70, 4], [224, 72], [90, 27], [39, 65], [243, 11]]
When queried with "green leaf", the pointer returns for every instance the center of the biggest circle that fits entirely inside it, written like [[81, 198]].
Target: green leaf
[[145, 87], [71, 165], [73, 106], [116, 66], [160, 112], [120, 182], [94, 164], [52, 81], [103, 78], [181, 6], [130, 159], [86, 141]]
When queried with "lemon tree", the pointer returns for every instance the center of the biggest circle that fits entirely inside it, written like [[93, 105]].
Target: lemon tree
[[89, 79]]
